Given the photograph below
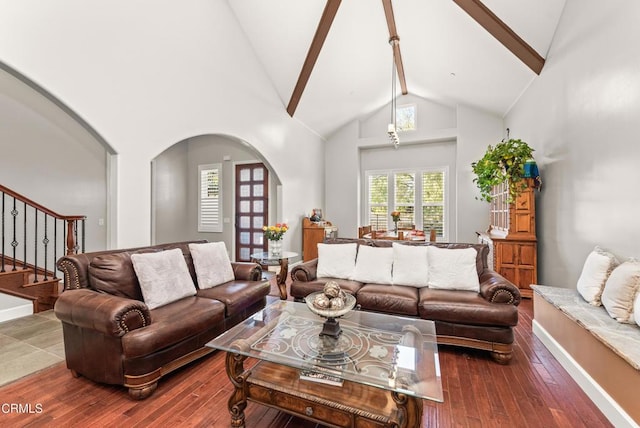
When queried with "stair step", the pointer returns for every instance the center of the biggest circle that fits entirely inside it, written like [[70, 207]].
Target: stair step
[[21, 283], [12, 278]]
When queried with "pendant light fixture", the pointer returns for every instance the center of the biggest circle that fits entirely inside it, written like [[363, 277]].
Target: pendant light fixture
[[391, 129]]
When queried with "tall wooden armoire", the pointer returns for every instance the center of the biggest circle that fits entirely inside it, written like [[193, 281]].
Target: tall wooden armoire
[[512, 237]]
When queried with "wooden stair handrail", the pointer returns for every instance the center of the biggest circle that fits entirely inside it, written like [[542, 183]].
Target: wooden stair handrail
[[39, 207]]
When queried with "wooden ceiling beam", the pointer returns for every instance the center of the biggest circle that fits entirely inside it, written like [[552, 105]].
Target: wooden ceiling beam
[[393, 36], [503, 33], [329, 13]]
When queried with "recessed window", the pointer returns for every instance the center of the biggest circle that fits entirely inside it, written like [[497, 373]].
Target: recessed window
[[406, 117], [419, 195]]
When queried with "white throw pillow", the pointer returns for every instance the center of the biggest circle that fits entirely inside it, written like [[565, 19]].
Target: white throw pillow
[[597, 268], [453, 269], [620, 291], [410, 265], [373, 265], [164, 277], [212, 264], [336, 260]]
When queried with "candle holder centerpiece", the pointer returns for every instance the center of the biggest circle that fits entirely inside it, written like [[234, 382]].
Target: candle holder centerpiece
[[330, 303]]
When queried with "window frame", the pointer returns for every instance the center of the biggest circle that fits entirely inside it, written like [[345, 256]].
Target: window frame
[[212, 226], [412, 106], [418, 196]]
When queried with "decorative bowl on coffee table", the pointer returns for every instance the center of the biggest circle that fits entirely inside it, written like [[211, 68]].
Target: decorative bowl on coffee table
[[331, 327]]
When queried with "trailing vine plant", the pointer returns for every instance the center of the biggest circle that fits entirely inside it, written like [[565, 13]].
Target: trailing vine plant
[[502, 163]]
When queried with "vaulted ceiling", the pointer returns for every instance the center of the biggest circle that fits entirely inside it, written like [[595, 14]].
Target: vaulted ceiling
[[448, 56]]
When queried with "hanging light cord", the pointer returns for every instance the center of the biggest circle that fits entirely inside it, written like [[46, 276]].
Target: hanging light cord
[[393, 131]]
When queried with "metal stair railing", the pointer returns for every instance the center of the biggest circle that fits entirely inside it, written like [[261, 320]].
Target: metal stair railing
[[36, 234]]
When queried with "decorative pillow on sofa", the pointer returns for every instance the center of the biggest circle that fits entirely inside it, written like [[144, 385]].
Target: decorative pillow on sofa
[[453, 269], [410, 265], [164, 277], [212, 264], [597, 268], [636, 309], [373, 265], [620, 291], [336, 260]]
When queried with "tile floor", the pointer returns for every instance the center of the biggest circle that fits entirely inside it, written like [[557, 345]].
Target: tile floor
[[34, 342], [29, 344]]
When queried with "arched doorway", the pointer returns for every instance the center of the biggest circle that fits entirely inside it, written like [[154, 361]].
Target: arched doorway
[[176, 183]]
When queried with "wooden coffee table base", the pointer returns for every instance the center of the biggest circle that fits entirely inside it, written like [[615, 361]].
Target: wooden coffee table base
[[349, 405]]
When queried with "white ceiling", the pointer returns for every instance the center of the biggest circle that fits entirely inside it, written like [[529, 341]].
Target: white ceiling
[[448, 58]]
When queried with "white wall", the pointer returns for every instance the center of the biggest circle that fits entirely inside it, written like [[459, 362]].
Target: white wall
[[136, 72], [581, 115], [472, 130], [170, 190], [46, 156], [476, 130]]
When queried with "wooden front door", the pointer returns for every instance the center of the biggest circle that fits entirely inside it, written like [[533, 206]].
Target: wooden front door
[[252, 209]]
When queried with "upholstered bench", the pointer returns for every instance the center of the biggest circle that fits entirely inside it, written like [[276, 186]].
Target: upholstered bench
[[601, 354]]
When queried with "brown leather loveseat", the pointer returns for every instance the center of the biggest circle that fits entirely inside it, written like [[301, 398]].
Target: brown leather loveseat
[[110, 334], [481, 319]]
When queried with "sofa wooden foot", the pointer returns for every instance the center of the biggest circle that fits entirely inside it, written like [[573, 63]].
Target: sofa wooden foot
[[74, 373], [142, 392], [501, 357]]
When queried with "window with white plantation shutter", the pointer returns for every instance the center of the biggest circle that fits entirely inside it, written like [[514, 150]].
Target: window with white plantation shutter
[[433, 198], [210, 198], [378, 200], [405, 198], [420, 195]]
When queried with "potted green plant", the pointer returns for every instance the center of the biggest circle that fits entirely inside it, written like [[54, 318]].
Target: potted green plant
[[501, 163]]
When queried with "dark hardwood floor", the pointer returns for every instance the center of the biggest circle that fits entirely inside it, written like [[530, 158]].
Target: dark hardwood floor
[[533, 391]]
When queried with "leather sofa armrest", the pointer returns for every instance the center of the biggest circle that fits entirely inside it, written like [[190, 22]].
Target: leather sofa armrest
[[110, 315], [248, 271], [497, 289], [305, 272], [75, 270]]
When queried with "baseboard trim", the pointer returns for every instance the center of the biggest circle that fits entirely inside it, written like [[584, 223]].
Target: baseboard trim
[[611, 410]]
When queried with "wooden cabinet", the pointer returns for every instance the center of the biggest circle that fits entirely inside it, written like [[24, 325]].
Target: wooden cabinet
[[517, 261], [312, 234], [512, 238]]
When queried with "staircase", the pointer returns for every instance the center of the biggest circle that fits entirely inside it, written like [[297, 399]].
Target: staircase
[[32, 238], [41, 293]]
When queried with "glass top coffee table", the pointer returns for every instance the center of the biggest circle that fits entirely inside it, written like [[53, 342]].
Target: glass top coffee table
[[374, 374]]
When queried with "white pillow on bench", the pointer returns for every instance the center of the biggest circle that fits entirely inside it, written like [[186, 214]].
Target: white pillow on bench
[[597, 268], [620, 291]]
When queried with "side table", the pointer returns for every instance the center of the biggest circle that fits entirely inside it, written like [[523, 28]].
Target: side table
[[266, 258]]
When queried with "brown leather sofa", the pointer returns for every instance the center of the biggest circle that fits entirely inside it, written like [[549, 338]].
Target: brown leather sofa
[[111, 336], [483, 320]]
